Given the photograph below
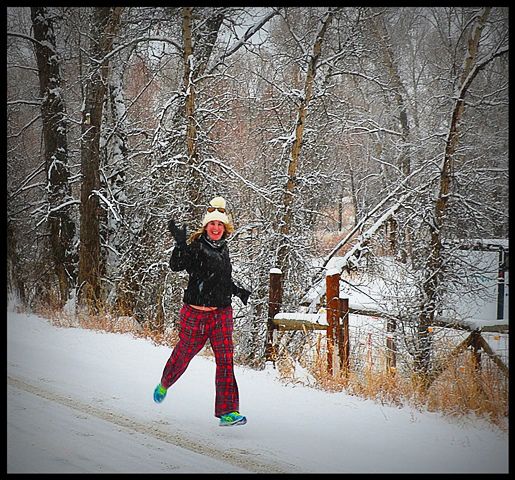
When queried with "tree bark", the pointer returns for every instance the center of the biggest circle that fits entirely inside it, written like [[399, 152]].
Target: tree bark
[[53, 112], [195, 62], [105, 25]]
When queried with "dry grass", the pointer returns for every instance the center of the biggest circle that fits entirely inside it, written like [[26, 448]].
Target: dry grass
[[107, 322], [464, 389], [461, 390]]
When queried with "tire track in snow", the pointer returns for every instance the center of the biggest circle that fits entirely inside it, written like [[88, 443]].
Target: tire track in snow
[[239, 458]]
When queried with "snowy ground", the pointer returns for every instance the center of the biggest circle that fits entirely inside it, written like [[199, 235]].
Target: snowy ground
[[81, 401]]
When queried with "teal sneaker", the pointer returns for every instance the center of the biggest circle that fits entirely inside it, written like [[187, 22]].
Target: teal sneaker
[[159, 393], [233, 418]]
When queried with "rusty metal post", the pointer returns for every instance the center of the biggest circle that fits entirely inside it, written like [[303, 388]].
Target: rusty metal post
[[275, 299], [332, 294], [343, 337], [391, 348]]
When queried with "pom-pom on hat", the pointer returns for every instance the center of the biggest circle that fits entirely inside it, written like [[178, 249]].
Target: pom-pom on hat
[[216, 211]]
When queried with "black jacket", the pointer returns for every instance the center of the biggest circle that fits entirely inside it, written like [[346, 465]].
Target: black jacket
[[210, 272]]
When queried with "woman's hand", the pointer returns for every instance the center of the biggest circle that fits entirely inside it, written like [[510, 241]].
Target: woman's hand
[[178, 233], [244, 295]]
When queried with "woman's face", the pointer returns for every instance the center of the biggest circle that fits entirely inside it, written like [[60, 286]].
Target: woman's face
[[215, 229]]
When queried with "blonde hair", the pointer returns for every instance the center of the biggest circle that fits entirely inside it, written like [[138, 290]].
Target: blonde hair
[[229, 228]]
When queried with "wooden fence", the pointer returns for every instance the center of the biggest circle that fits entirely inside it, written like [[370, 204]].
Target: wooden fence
[[337, 329]]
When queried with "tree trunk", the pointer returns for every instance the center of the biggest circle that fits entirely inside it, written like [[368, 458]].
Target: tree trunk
[[399, 93], [289, 193], [433, 270], [194, 182], [61, 226], [115, 151], [105, 24], [197, 50], [15, 284]]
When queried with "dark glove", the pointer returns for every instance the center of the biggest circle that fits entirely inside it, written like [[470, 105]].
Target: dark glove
[[244, 295], [178, 233]]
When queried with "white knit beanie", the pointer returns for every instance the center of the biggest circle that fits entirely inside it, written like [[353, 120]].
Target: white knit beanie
[[217, 202]]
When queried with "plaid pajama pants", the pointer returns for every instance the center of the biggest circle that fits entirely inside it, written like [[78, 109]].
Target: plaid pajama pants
[[196, 326]]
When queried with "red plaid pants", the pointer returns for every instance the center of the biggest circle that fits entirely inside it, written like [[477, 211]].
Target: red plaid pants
[[196, 326]]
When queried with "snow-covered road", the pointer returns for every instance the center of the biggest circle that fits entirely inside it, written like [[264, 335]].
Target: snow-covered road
[[67, 435], [81, 401]]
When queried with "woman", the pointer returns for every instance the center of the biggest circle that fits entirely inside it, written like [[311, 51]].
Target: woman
[[207, 311]]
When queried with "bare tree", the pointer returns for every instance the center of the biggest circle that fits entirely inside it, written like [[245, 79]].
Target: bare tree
[[288, 205], [435, 261], [61, 225], [104, 26]]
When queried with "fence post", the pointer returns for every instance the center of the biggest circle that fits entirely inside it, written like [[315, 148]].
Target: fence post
[[275, 299], [476, 347], [391, 349], [332, 295], [343, 337]]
